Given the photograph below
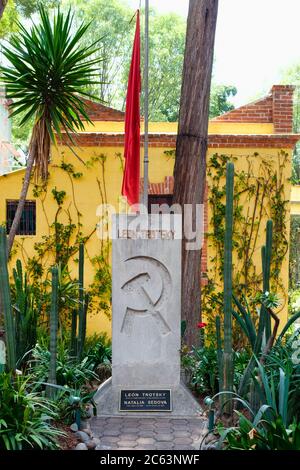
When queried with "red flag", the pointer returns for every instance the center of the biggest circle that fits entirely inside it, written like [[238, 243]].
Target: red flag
[[131, 177]]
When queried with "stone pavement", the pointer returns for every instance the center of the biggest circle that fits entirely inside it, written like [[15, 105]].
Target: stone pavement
[[127, 433]]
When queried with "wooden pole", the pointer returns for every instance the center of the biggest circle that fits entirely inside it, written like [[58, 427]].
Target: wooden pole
[[146, 105]]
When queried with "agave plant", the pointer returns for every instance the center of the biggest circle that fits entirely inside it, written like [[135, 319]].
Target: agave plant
[[48, 73]]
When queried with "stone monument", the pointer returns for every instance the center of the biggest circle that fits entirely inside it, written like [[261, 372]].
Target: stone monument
[[146, 323]]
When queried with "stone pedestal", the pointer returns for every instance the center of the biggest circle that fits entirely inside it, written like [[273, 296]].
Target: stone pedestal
[[146, 307]]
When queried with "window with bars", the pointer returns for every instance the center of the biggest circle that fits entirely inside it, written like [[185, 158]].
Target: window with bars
[[28, 219], [158, 199]]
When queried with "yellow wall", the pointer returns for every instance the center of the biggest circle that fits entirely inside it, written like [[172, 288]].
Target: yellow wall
[[215, 127], [255, 159], [87, 195], [295, 200]]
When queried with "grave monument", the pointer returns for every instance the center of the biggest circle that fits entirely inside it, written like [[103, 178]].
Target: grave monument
[[146, 320]]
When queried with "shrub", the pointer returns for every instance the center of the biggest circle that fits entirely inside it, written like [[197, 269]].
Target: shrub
[[69, 371], [25, 417]]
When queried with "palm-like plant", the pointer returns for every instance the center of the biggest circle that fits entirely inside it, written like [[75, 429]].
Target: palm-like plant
[[48, 73]]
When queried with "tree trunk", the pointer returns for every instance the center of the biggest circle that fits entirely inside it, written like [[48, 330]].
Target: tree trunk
[[39, 150], [191, 145], [2, 7], [21, 204]]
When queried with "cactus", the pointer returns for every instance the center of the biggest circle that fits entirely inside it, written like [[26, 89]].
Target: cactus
[[25, 313], [53, 333], [227, 354], [81, 302], [5, 303], [219, 352], [264, 324], [73, 346], [266, 261]]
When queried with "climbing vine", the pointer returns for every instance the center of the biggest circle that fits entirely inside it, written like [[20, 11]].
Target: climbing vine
[[258, 196], [60, 244]]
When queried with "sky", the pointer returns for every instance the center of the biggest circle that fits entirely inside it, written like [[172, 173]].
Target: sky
[[255, 41]]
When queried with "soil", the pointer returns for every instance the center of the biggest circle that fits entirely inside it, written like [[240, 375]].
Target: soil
[[69, 441]]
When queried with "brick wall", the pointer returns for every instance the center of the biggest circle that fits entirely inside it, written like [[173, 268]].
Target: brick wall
[[97, 139], [99, 112], [283, 108], [277, 107], [166, 187]]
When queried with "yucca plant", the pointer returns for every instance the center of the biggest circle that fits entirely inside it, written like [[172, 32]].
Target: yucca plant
[[49, 71]]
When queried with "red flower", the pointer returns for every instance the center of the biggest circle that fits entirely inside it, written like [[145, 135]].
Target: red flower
[[201, 325]]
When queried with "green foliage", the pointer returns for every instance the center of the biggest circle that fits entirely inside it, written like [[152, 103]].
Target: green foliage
[[26, 309], [261, 192], [100, 289], [28, 7], [59, 196], [270, 434], [166, 38], [5, 302], [274, 425], [291, 76], [98, 349], [57, 80], [25, 416], [48, 72], [219, 103], [69, 372], [74, 405], [294, 259], [7, 23], [202, 368]]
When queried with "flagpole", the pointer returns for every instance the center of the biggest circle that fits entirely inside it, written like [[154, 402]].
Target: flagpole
[[146, 105]]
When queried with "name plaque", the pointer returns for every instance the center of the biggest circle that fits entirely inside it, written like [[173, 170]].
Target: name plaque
[[145, 400]]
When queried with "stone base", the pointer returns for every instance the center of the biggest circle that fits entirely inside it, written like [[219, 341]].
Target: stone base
[[184, 403]]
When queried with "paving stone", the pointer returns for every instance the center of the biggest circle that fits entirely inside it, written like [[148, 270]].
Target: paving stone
[[123, 448], [111, 432], [180, 447], [183, 441], [148, 420], [130, 444], [109, 439], [145, 440], [182, 434], [177, 427], [164, 446], [129, 436], [147, 427], [164, 437], [115, 420], [197, 422], [162, 425], [147, 433], [145, 447], [129, 430], [131, 422]]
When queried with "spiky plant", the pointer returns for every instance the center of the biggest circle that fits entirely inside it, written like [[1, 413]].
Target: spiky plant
[[48, 73]]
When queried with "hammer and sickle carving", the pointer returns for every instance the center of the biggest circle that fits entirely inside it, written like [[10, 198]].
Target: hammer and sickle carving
[[137, 286]]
